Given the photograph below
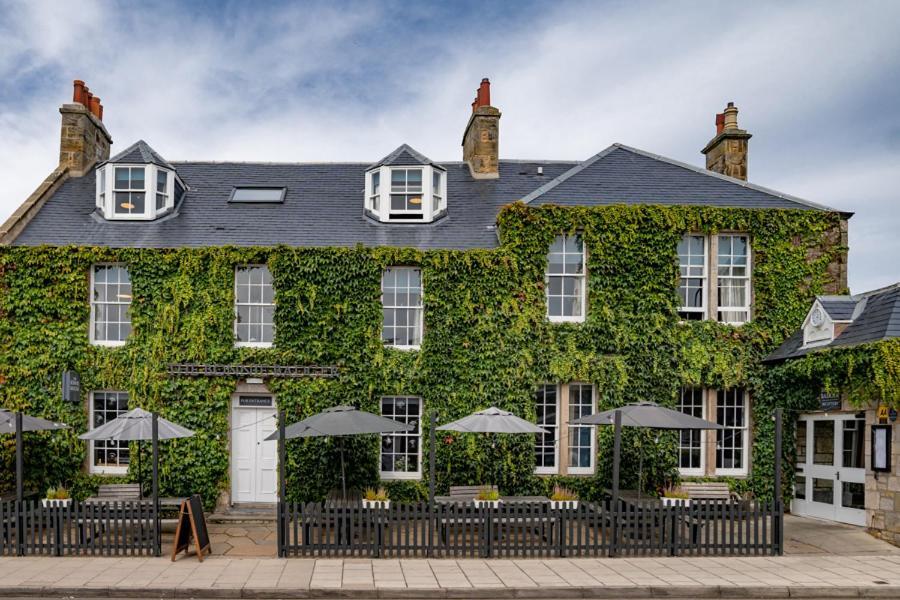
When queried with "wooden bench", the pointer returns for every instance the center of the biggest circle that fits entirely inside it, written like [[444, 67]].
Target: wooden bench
[[708, 490], [117, 492], [467, 493]]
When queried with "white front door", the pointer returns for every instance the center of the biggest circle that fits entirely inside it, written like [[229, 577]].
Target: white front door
[[831, 476], [254, 461]]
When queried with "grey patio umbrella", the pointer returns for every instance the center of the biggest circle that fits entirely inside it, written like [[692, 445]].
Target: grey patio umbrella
[[649, 415], [18, 423], [492, 420], [137, 425], [340, 421]]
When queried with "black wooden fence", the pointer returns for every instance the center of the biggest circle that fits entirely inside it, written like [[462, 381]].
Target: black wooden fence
[[702, 527], [108, 529]]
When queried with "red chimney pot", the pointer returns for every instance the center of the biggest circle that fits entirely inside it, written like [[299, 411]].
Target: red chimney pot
[[484, 93], [95, 106], [720, 123], [78, 93]]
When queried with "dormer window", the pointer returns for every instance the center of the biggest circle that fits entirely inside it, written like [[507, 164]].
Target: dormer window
[[405, 187], [137, 185]]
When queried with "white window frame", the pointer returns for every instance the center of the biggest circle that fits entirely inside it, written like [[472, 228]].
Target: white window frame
[[378, 203], [556, 428], [699, 433], [745, 436], [589, 470], [402, 475], [106, 191], [92, 467], [420, 327], [93, 303], [241, 344], [582, 276], [747, 279], [703, 309]]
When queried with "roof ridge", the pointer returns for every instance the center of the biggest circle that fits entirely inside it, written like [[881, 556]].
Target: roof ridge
[[880, 290], [708, 173]]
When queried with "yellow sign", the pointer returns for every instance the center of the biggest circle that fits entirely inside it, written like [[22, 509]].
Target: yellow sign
[[883, 413]]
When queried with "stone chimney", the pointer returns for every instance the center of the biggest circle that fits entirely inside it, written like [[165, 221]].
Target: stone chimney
[[726, 153], [481, 141], [83, 139]]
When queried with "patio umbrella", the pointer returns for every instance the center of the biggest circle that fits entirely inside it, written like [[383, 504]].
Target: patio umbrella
[[136, 425], [648, 415], [340, 421], [492, 420], [18, 423]]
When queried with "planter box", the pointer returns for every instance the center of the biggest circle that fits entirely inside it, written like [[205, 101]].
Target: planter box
[[385, 504], [563, 504], [486, 503], [675, 501], [48, 503]]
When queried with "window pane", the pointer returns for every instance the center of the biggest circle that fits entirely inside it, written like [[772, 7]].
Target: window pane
[[691, 440], [400, 450], [564, 279], [545, 443], [823, 442], [254, 299], [106, 407], [730, 441], [162, 179], [402, 308], [110, 303], [258, 194], [137, 178], [122, 178], [581, 404]]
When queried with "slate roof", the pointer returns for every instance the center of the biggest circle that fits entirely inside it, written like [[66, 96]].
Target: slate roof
[[839, 308], [140, 152], [621, 174], [876, 317], [404, 155], [323, 204]]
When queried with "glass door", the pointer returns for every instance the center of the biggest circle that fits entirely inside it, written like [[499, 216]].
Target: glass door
[[830, 479]]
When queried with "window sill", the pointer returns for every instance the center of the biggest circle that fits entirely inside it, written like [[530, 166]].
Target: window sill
[[254, 345], [108, 344], [739, 473], [390, 476], [546, 471], [565, 319], [108, 470], [701, 472], [580, 471], [403, 348]]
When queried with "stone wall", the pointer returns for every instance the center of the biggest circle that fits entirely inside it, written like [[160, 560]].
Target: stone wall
[[481, 143], [83, 139], [883, 489]]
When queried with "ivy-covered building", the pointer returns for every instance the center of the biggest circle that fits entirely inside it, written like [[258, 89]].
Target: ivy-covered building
[[217, 293], [839, 375]]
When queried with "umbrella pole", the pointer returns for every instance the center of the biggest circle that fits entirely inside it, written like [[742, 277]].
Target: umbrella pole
[[20, 460], [155, 431], [140, 479], [640, 471], [343, 473]]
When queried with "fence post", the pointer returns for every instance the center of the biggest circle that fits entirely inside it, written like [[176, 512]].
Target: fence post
[[20, 488], [156, 528], [778, 518], [281, 522], [614, 505]]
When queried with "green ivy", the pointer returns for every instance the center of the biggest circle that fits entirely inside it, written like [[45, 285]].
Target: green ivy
[[486, 342]]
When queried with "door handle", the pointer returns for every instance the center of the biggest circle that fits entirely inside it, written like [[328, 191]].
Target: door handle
[[838, 478]]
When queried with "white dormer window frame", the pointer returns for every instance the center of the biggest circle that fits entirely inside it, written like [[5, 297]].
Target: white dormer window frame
[[430, 194], [154, 188], [818, 327]]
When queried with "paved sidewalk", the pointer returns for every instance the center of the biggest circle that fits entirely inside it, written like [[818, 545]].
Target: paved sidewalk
[[706, 577]]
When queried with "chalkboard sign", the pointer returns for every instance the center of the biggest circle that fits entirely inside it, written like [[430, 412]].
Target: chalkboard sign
[[829, 402], [191, 525], [71, 387]]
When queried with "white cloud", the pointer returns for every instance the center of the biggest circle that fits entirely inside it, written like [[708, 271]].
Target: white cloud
[[352, 81]]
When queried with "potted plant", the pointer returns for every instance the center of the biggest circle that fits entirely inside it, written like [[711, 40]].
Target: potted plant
[[487, 497], [376, 498], [671, 495], [57, 497], [563, 498]]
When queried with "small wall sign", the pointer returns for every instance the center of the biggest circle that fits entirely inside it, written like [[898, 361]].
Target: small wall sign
[[881, 447], [829, 402], [892, 414], [255, 401], [71, 387], [883, 413]]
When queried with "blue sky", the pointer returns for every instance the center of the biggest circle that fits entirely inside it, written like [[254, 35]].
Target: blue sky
[[817, 84]]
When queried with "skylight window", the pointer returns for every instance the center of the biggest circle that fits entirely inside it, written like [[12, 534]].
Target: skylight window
[[257, 194]]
